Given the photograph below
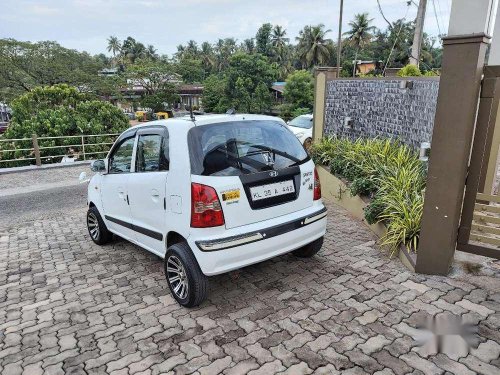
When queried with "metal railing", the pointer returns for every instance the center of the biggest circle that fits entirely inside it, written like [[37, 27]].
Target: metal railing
[[45, 150]]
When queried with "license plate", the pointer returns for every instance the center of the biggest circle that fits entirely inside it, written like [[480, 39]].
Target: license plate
[[272, 190]]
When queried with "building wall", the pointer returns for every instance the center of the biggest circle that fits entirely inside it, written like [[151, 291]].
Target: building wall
[[380, 108]]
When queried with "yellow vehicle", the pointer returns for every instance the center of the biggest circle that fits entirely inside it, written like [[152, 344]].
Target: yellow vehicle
[[141, 115], [164, 115]]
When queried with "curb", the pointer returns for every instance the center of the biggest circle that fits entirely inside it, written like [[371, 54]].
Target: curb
[[43, 167]]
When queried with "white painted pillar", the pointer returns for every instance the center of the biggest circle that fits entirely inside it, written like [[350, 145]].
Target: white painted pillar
[[472, 17]]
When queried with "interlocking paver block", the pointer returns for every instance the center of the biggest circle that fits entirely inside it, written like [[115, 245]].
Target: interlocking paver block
[[374, 344], [468, 305], [70, 306]]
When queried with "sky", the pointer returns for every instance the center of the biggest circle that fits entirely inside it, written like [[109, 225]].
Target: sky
[[86, 24]]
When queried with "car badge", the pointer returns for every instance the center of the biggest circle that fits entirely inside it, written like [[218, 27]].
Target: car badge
[[268, 159], [273, 174]]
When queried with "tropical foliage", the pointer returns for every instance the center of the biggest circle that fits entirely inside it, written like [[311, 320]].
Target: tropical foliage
[[360, 34], [410, 71], [390, 174], [60, 110], [299, 90], [27, 65]]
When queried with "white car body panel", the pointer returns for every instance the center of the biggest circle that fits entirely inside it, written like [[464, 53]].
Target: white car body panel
[[161, 202]]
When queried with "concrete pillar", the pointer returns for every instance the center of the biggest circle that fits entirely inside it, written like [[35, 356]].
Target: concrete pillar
[[463, 61], [321, 76]]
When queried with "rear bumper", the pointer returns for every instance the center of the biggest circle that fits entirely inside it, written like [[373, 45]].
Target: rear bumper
[[272, 238]]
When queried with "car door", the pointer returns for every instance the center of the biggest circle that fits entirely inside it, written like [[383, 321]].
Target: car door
[[147, 188], [114, 187]]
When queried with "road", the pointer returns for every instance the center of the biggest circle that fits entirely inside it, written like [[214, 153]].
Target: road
[[41, 194], [41, 204]]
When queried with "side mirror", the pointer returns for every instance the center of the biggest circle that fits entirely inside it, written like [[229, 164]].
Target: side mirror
[[98, 166]]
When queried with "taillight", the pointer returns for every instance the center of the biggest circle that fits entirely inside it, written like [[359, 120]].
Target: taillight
[[206, 210], [317, 186]]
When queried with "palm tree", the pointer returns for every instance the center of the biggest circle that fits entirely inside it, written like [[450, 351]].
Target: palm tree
[[313, 46], [151, 52], [207, 56], [114, 46], [360, 34], [248, 45], [278, 40], [192, 48], [133, 49], [279, 45]]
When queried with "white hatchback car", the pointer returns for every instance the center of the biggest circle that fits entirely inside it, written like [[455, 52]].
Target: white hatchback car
[[302, 127], [208, 195]]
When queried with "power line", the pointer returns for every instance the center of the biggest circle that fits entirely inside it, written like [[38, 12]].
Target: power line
[[396, 40], [435, 15]]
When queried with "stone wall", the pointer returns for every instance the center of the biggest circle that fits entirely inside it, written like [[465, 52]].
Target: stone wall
[[381, 108]]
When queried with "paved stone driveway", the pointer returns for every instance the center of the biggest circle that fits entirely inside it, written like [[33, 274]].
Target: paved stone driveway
[[69, 306]]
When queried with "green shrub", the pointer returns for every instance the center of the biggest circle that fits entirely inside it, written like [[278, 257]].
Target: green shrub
[[374, 210], [387, 170], [59, 111], [409, 71], [431, 73], [364, 186]]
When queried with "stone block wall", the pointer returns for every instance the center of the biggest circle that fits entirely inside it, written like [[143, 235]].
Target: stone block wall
[[381, 108]]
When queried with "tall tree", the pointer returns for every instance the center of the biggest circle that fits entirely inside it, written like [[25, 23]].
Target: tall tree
[[263, 40], [114, 46], [278, 38], [133, 50], [207, 57], [248, 45], [313, 46], [26, 65], [360, 34], [151, 52], [299, 89], [247, 76]]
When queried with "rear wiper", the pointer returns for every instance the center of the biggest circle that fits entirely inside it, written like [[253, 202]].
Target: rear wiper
[[278, 152]]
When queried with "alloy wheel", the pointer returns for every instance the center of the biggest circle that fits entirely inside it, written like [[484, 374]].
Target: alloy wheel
[[177, 277], [93, 226]]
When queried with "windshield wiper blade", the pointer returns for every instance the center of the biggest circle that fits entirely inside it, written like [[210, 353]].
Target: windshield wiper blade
[[278, 152]]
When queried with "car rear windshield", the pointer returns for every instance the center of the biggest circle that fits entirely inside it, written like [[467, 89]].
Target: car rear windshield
[[302, 122], [243, 147]]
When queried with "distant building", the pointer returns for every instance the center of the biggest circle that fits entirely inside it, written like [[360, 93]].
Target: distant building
[[365, 67], [277, 89], [193, 91], [5, 115], [108, 72]]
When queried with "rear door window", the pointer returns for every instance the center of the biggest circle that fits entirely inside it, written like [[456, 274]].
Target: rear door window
[[152, 153], [243, 147]]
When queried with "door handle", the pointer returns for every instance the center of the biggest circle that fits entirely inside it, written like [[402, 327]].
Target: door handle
[[121, 193], [155, 195]]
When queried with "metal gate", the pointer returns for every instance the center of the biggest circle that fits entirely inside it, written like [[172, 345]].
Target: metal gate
[[479, 231]]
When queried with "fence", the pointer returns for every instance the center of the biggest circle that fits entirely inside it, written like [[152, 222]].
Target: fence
[[45, 150]]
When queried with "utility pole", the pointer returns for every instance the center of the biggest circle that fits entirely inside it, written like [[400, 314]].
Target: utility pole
[[339, 41], [419, 33]]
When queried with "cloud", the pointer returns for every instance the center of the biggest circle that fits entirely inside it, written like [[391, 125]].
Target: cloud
[[42, 10]]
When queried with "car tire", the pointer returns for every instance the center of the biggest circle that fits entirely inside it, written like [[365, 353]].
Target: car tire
[[185, 279], [309, 250], [98, 231]]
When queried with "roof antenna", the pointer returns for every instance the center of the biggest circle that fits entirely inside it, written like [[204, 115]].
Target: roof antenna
[[191, 108]]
